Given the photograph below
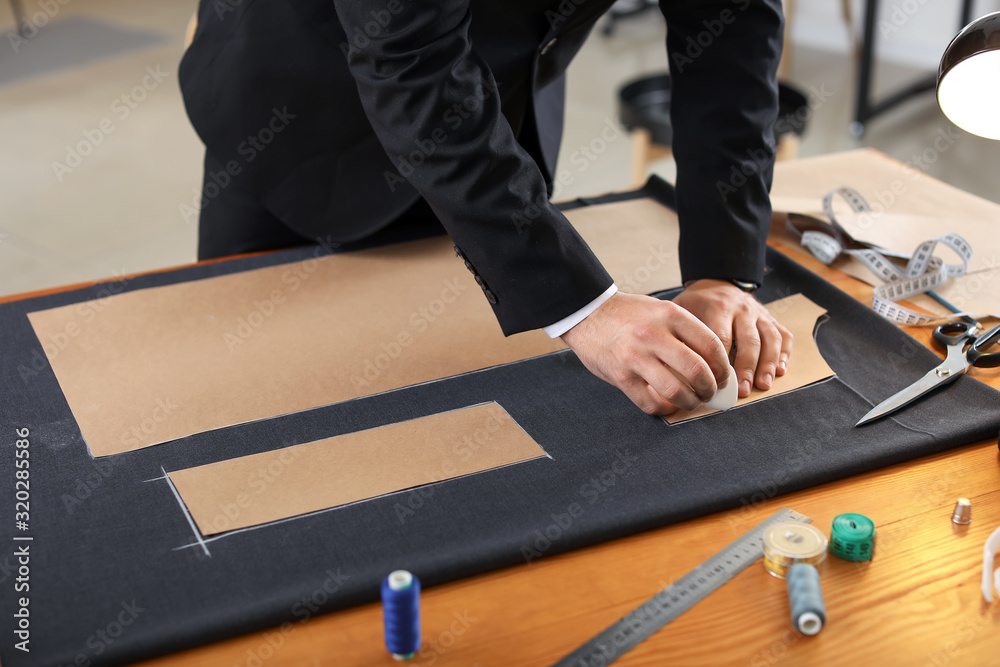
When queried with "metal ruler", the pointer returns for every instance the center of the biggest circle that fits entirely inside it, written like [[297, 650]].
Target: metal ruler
[[642, 622]]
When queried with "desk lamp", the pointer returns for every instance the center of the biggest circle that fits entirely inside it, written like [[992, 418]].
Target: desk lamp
[[968, 84]]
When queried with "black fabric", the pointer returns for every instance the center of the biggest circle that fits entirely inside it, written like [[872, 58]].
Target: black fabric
[[104, 537], [339, 115]]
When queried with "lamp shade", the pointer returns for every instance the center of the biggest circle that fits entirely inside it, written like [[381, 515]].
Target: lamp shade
[[968, 84]]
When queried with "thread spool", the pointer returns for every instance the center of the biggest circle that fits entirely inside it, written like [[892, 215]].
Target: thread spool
[[401, 614], [786, 544], [805, 597], [852, 537]]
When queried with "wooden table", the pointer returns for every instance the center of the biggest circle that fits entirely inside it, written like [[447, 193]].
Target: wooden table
[[917, 603]]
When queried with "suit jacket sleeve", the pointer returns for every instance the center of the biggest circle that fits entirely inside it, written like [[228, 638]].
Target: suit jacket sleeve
[[723, 61], [434, 105]]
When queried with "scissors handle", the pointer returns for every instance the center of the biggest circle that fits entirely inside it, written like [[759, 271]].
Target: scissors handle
[[955, 333], [977, 354]]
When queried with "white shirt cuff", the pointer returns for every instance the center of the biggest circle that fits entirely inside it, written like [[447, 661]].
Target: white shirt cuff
[[567, 323]]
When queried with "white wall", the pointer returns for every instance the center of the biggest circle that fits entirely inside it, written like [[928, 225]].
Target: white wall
[[913, 32]]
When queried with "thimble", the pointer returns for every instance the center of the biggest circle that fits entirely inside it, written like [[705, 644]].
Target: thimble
[[963, 512]]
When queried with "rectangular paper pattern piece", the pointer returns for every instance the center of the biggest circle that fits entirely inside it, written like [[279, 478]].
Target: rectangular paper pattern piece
[[156, 364], [319, 475]]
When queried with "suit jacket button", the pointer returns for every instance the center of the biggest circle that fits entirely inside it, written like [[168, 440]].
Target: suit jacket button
[[469, 266], [459, 253], [479, 281], [548, 46], [490, 296]]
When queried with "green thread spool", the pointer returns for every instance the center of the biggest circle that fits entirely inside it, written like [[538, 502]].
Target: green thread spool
[[852, 537]]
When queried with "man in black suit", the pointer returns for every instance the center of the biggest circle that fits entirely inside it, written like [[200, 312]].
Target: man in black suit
[[331, 120]]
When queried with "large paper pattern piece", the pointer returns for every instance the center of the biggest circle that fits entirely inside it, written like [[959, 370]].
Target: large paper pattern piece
[[806, 366], [260, 488], [153, 365]]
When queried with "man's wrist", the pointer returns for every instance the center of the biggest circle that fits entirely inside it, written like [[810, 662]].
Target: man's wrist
[[746, 285], [557, 329]]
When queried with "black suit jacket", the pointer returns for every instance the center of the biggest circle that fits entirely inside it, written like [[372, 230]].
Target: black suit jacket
[[340, 115]]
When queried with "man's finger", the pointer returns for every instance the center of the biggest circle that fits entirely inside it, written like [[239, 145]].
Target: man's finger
[[671, 385], [770, 350], [665, 407], [747, 353], [707, 348], [646, 398], [787, 340], [722, 327], [691, 370]]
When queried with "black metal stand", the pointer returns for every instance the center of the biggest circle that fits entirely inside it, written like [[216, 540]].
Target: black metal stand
[[865, 108], [20, 20]]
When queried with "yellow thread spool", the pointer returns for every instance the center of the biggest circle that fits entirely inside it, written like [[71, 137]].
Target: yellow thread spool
[[786, 544]]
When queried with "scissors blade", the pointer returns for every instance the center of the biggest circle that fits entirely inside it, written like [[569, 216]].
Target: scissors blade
[[936, 377]]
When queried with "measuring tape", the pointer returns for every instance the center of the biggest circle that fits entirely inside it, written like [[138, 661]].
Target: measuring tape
[[642, 622], [923, 273], [852, 537]]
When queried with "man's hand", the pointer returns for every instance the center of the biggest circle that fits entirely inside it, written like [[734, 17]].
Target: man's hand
[[763, 345], [656, 352]]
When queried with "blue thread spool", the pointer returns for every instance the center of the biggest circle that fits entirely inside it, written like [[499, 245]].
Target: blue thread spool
[[805, 598], [401, 614]]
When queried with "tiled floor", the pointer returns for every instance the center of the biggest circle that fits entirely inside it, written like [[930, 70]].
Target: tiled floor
[[118, 210]]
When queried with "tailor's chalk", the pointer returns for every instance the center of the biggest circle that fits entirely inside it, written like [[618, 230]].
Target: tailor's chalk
[[726, 397]]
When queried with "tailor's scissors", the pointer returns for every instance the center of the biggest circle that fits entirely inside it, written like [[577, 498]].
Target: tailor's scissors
[[954, 337]]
